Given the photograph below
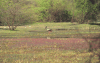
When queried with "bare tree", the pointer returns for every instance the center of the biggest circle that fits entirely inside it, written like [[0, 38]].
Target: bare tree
[[13, 13]]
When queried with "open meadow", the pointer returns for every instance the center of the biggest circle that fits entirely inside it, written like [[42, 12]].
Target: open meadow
[[29, 43], [49, 31]]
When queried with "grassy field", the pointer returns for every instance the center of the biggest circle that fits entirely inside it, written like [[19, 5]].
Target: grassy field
[[40, 54], [38, 30]]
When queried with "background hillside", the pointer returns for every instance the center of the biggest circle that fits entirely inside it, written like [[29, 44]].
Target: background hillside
[[18, 12]]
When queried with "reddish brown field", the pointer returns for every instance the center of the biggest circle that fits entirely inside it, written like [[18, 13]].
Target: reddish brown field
[[69, 43]]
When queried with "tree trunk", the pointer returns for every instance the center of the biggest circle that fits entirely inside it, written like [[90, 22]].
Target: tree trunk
[[13, 27], [90, 48]]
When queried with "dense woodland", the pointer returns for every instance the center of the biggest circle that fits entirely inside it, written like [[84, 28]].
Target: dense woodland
[[21, 12]]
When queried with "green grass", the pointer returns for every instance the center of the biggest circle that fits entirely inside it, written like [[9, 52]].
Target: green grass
[[38, 30]]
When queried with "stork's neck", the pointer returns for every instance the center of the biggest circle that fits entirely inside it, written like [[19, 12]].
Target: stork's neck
[[46, 27]]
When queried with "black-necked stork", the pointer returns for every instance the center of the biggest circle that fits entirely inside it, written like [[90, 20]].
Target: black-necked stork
[[49, 30]]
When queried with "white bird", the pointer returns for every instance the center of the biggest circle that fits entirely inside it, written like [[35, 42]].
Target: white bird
[[49, 30]]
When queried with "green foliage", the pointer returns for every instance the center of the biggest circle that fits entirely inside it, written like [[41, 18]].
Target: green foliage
[[14, 13], [41, 10], [87, 10], [50, 10], [30, 11]]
